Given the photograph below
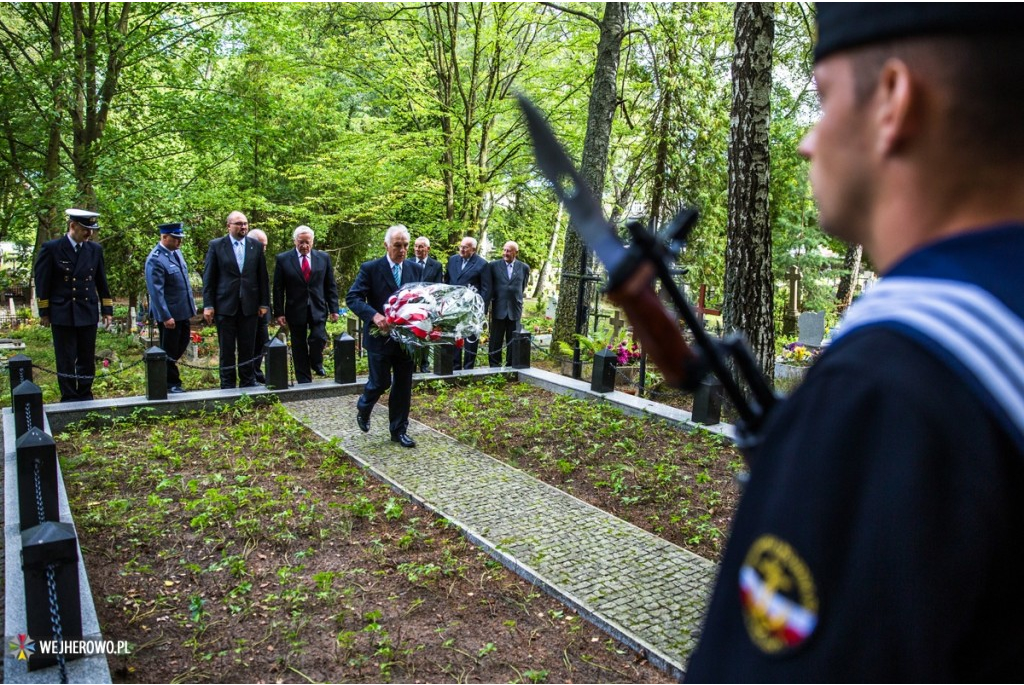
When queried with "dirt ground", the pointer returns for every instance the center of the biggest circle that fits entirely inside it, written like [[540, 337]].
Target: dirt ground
[[239, 547]]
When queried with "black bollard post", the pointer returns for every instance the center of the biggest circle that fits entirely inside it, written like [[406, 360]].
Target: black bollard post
[[53, 604], [444, 359], [156, 373], [344, 359], [27, 407], [275, 355], [707, 402], [519, 350], [603, 377], [37, 479], [19, 368]]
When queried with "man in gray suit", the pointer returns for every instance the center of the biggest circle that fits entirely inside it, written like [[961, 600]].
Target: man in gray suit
[[170, 298], [467, 268], [236, 291], [505, 282]]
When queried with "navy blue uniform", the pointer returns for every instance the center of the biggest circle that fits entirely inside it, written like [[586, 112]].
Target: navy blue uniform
[[877, 539], [72, 290]]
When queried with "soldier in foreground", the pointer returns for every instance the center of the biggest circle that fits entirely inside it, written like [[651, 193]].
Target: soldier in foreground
[[877, 538]]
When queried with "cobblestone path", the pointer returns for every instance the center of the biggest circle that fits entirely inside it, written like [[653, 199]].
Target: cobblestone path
[[641, 589]]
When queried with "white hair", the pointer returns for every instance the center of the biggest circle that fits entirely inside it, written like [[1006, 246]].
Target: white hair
[[257, 234], [397, 229], [302, 229], [424, 239], [472, 241]]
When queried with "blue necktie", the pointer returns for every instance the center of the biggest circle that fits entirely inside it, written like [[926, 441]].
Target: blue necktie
[[239, 254], [397, 271]]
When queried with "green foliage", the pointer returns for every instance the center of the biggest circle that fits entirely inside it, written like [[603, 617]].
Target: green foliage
[[351, 116]]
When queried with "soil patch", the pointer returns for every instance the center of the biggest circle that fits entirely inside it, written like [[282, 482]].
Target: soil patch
[[237, 546]]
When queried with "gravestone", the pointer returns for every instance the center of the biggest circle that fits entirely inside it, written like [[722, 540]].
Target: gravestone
[[551, 308], [617, 323], [811, 327]]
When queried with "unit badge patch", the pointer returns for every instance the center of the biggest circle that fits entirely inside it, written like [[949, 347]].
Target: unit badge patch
[[777, 595]]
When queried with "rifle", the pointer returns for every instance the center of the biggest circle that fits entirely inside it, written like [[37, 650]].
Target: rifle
[[631, 271]]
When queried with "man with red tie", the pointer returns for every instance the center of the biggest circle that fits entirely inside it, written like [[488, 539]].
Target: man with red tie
[[305, 296]]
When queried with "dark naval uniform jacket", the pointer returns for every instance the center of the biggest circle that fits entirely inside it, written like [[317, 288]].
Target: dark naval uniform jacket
[[72, 288]]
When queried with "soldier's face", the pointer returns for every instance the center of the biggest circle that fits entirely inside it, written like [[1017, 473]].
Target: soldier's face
[[171, 242], [79, 232], [840, 151]]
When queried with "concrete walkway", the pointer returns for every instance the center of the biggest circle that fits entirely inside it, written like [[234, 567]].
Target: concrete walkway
[[643, 590]]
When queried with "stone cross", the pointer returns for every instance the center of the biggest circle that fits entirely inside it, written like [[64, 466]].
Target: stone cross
[[789, 319], [617, 323]]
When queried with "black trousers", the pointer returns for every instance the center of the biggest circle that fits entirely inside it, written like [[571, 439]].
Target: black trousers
[[75, 348], [174, 341], [237, 332], [392, 363], [308, 342], [262, 338], [502, 331], [466, 357]]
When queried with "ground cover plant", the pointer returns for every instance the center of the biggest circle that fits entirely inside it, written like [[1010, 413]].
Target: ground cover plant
[[237, 546], [681, 486]]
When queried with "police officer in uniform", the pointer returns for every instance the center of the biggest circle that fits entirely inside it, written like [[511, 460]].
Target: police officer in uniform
[[878, 537], [72, 293], [170, 298]]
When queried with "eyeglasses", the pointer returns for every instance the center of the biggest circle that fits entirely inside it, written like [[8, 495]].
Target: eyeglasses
[[239, 223]]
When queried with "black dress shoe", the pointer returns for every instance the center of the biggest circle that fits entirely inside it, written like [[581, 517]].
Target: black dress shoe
[[320, 371], [176, 390], [403, 440], [363, 422]]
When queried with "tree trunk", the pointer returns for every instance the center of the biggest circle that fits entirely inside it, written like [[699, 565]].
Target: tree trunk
[[748, 257], [603, 100], [542, 276], [851, 271]]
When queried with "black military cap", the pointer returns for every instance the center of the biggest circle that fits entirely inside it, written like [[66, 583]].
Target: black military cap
[[845, 25], [83, 217], [176, 229]]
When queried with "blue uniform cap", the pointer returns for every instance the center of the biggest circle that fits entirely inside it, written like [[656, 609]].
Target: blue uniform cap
[[83, 217], [175, 229], [847, 25]]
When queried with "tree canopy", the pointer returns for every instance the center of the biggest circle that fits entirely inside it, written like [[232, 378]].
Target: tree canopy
[[349, 117]]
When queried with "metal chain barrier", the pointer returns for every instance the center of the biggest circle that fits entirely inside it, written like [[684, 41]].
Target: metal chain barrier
[[58, 374], [51, 576], [58, 630]]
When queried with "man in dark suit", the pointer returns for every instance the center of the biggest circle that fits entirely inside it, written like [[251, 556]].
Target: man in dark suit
[[433, 272], [390, 365], [262, 323], [170, 298], [505, 283], [466, 268], [236, 292], [72, 293], [305, 296]]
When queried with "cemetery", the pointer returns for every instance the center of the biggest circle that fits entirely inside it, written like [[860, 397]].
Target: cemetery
[[561, 518]]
